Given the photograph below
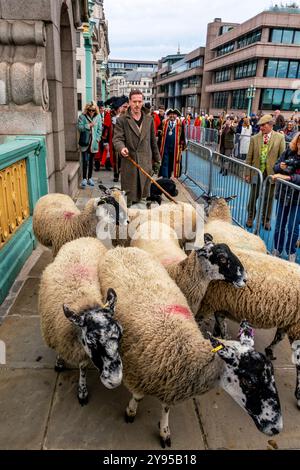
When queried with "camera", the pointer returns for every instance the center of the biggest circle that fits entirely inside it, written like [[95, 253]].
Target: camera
[[293, 164]]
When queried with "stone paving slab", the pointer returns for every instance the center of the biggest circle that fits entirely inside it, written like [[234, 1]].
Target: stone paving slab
[[25, 398], [24, 343], [227, 426], [45, 259], [27, 300], [101, 424]]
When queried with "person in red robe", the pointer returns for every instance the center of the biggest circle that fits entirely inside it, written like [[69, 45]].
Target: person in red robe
[[104, 156], [171, 144]]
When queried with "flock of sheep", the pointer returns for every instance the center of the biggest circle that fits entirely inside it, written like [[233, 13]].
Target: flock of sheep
[[128, 302]]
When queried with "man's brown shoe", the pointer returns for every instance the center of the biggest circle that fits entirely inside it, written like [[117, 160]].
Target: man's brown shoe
[[249, 222]]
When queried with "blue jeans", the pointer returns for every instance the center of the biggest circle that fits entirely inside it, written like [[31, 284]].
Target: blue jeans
[[283, 212]]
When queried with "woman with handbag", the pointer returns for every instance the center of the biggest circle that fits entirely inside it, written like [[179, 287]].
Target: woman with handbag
[[90, 127]]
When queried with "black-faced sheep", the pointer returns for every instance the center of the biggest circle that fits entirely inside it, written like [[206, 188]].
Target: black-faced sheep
[[165, 355], [271, 299], [74, 321]]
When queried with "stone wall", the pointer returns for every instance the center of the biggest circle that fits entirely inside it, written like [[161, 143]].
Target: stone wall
[[38, 93]]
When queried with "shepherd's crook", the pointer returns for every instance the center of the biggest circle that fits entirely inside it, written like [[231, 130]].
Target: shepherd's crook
[[152, 179]]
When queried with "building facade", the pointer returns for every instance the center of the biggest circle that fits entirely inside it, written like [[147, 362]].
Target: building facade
[[263, 52], [139, 78], [121, 67], [178, 81], [99, 56]]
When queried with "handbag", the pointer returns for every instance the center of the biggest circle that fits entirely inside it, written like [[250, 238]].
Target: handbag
[[84, 138]]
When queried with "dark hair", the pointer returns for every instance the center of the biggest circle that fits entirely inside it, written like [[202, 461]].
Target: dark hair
[[135, 92], [161, 107]]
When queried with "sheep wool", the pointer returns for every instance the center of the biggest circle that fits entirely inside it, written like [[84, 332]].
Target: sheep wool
[[163, 352], [71, 279], [57, 220]]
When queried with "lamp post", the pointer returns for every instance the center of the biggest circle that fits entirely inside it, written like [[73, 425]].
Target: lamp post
[[250, 95]]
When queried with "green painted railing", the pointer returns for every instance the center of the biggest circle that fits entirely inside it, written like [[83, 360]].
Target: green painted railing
[[16, 251]]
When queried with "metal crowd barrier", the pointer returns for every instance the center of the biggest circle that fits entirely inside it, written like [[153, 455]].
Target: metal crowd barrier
[[203, 136], [198, 170], [230, 177], [254, 208], [283, 234]]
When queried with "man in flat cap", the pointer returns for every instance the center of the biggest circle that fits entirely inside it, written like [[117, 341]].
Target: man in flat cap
[[171, 144], [265, 149]]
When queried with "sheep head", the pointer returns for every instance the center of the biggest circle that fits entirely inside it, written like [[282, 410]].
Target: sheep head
[[218, 262], [248, 377], [100, 336]]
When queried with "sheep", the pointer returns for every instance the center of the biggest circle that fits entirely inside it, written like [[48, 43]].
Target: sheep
[[183, 218], [219, 224], [271, 299], [160, 240], [57, 220], [164, 353], [74, 321]]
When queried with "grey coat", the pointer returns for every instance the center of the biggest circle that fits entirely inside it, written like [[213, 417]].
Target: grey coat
[[142, 148]]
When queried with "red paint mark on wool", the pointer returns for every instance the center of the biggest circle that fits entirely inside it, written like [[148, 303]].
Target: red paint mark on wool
[[68, 215], [178, 310], [79, 271]]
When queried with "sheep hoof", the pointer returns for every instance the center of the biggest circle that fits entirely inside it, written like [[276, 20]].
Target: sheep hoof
[[298, 404], [59, 368], [83, 400], [270, 355], [165, 442], [129, 419]]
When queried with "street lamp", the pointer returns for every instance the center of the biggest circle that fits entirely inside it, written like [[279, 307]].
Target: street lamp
[[250, 95]]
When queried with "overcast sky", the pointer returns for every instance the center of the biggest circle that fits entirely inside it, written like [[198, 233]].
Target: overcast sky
[[151, 29]]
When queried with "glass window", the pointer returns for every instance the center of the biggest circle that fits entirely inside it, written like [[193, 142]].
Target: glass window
[[239, 99], [297, 37], [267, 98], [278, 97], [220, 99], [293, 69], [271, 68], [78, 35], [79, 101], [287, 37], [78, 66], [282, 68], [276, 35], [288, 96]]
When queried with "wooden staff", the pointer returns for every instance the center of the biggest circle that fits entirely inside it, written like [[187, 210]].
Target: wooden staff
[[151, 179]]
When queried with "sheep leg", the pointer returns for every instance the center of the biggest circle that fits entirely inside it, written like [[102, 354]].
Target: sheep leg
[[83, 395], [297, 391], [164, 430], [220, 329], [132, 407], [280, 334], [60, 365]]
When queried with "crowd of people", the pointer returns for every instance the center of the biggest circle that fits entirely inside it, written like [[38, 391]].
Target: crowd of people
[[124, 127]]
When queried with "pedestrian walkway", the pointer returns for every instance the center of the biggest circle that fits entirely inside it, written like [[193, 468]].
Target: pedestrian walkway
[[39, 407]]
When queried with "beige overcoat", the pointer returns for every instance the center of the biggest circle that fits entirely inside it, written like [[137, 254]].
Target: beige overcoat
[[142, 147]]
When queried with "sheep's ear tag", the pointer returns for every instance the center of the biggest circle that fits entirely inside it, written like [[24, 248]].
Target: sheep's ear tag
[[217, 349]]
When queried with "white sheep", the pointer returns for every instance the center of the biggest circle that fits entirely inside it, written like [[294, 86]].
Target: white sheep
[[164, 353], [160, 240], [57, 220], [74, 321], [219, 225], [270, 299], [182, 217]]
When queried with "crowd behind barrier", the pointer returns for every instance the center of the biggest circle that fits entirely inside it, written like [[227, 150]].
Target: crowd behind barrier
[[208, 171]]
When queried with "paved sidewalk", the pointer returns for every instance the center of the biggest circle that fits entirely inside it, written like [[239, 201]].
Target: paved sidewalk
[[39, 408]]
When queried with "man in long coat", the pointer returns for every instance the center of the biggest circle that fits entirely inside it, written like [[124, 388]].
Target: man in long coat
[[134, 136]]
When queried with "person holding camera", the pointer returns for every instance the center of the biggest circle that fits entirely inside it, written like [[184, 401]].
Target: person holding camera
[[287, 168]]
